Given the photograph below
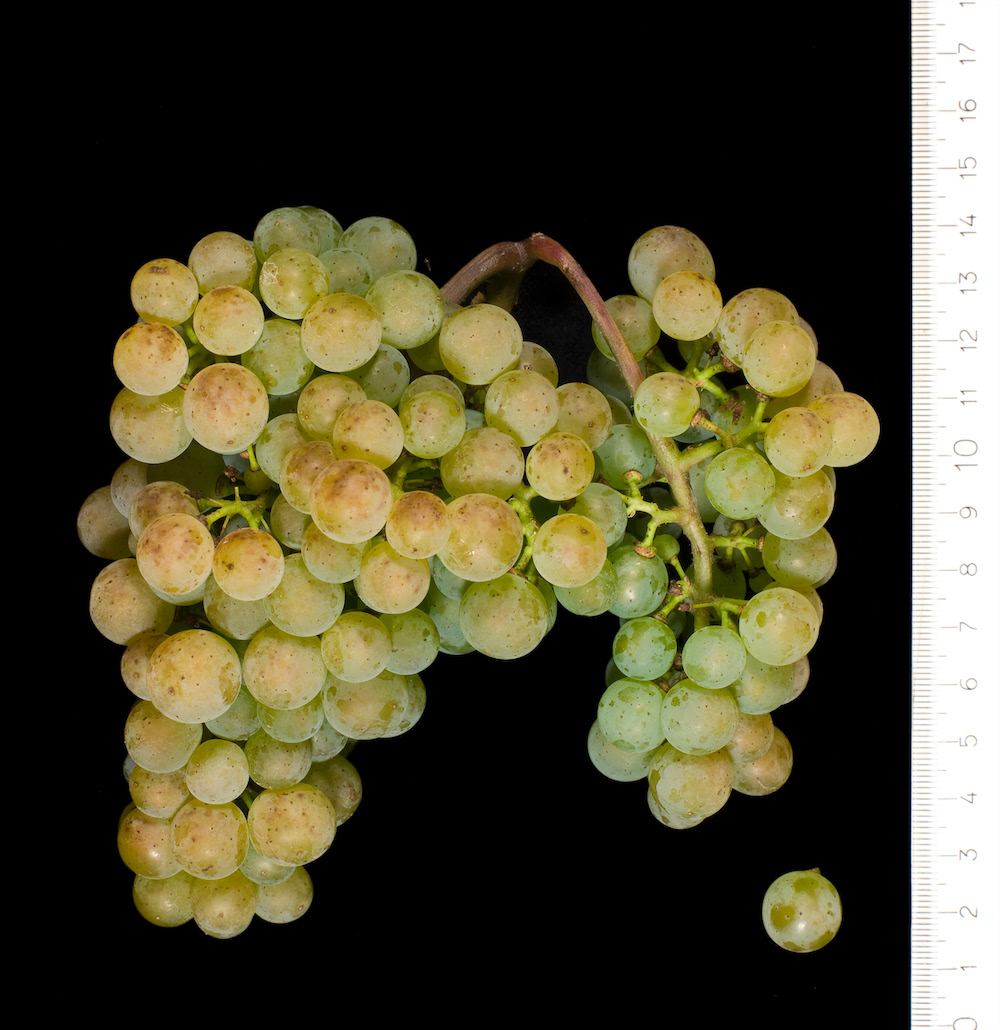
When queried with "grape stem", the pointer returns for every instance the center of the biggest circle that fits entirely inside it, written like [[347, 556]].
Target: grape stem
[[505, 264]]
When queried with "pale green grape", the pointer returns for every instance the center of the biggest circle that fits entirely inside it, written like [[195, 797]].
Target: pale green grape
[[287, 227], [348, 271], [144, 845], [665, 403], [238, 620], [746, 312], [390, 583], [340, 782], [217, 772], [286, 901], [802, 911], [303, 604], [322, 399], [150, 359], [224, 908], [752, 739], [714, 656], [486, 461], [164, 291], [689, 788], [604, 506], [626, 449], [662, 251], [641, 582], [385, 243], [193, 676], [414, 640], [799, 506], [800, 563], [384, 376], [853, 424], [135, 662], [634, 317], [523, 404], [779, 358], [417, 525], [779, 626], [764, 774], [228, 320], [299, 468], [560, 466], [294, 824], [610, 761], [505, 618], [687, 305], [485, 537], [356, 647], [697, 720], [150, 429], [276, 763], [629, 715], [281, 670], [409, 306], [223, 259], [478, 344], [368, 431], [291, 281], [761, 688], [370, 708], [535, 358], [595, 597], [225, 408], [329, 560], [248, 564], [350, 500], [209, 841], [798, 441], [433, 423], [165, 902], [239, 721], [644, 648], [101, 527], [569, 550], [294, 725], [278, 360], [340, 332]]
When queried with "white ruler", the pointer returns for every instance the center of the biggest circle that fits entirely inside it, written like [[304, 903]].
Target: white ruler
[[955, 736]]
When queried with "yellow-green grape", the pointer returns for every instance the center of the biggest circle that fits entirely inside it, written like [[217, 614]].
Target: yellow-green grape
[[634, 317], [754, 735], [163, 497], [761, 688], [327, 742], [800, 563], [697, 720], [356, 647], [263, 870], [164, 291], [126, 482], [779, 626], [217, 772], [504, 618], [328, 228], [165, 902], [385, 243], [523, 404], [350, 500], [228, 320], [604, 505], [276, 763], [569, 550], [101, 527], [560, 466], [714, 656], [238, 620], [417, 526], [209, 841], [277, 358], [150, 358], [823, 381], [122, 606], [150, 429], [340, 332], [689, 788], [486, 461], [629, 715], [370, 708], [662, 251], [224, 908], [144, 845], [853, 424], [291, 281], [322, 399], [644, 648], [303, 604], [764, 774], [799, 506], [286, 901], [293, 725], [779, 358], [390, 582], [665, 403], [368, 431], [478, 344], [223, 259], [687, 305], [610, 761], [248, 564], [746, 312], [802, 911], [340, 782], [433, 423], [594, 597], [281, 670], [299, 468], [293, 824], [409, 306], [485, 537], [158, 794], [239, 721], [329, 560], [585, 412], [384, 376], [798, 441], [414, 640], [287, 227], [535, 358], [348, 271], [225, 408], [194, 676], [157, 743]]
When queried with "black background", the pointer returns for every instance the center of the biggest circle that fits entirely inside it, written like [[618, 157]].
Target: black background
[[487, 850]]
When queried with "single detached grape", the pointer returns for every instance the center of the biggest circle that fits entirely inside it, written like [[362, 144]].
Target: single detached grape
[[801, 911]]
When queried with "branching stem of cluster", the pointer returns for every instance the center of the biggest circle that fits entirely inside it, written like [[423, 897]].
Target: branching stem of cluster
[[252, 511]]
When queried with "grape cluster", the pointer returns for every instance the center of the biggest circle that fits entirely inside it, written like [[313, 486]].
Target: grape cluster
[[335, 471]]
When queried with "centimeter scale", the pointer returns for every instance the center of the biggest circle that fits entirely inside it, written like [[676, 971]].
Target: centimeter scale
[[955, 727]]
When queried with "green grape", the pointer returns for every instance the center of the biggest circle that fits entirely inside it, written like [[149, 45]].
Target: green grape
[[414, 640], [604, 375], [385, 243], [523, 404], [486, 461], [150, 429], [802, 911], [665, 403], [478, 344], [278, 360], [287, 227], [223, 259], [368, 431], [687, 305], [158, 794], [627, 448], [433, 423], [799, 506], [350, 500], [303, 604], [164, 291], [761, 688], [228, 320], [264, 870], [798, 441], [328, 228], [604, 506], [390, 583], [417, 525], [340, 332], [291, 281], [629, 715], [248, 564], [145, 847], [662, 251], [164, 902], [779, 626], [560, 466], [800, 563], [356, 647], [779, 358], [225, 408], [347, 270], [594, 597], [329, 560], [569, 550], [150, 359], [585, 412], [209, 841], [746, 312], [283, 671], [128, 480], [240, 720], [384, 376], [644, 648], [194, 676], [293, 725], [224, 908], [286, 901], [504, 618], [610, 761], [217, 772], [714, 656], [764, 774], [853, 425], [341, 784], [322, 399], [535, 358], [156, 742], [689, 788], [299, 469], [238, 620], [370, 708], [101, 527], [752, 739], [276, 763], [641, 583], [484, 539], [634, 317], [409, 306], [697, 720]]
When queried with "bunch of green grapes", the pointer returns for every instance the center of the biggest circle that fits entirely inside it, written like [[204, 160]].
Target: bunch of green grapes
[[334, 471]]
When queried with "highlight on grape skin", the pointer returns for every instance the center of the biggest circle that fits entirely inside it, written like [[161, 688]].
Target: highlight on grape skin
[[338, 469]]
